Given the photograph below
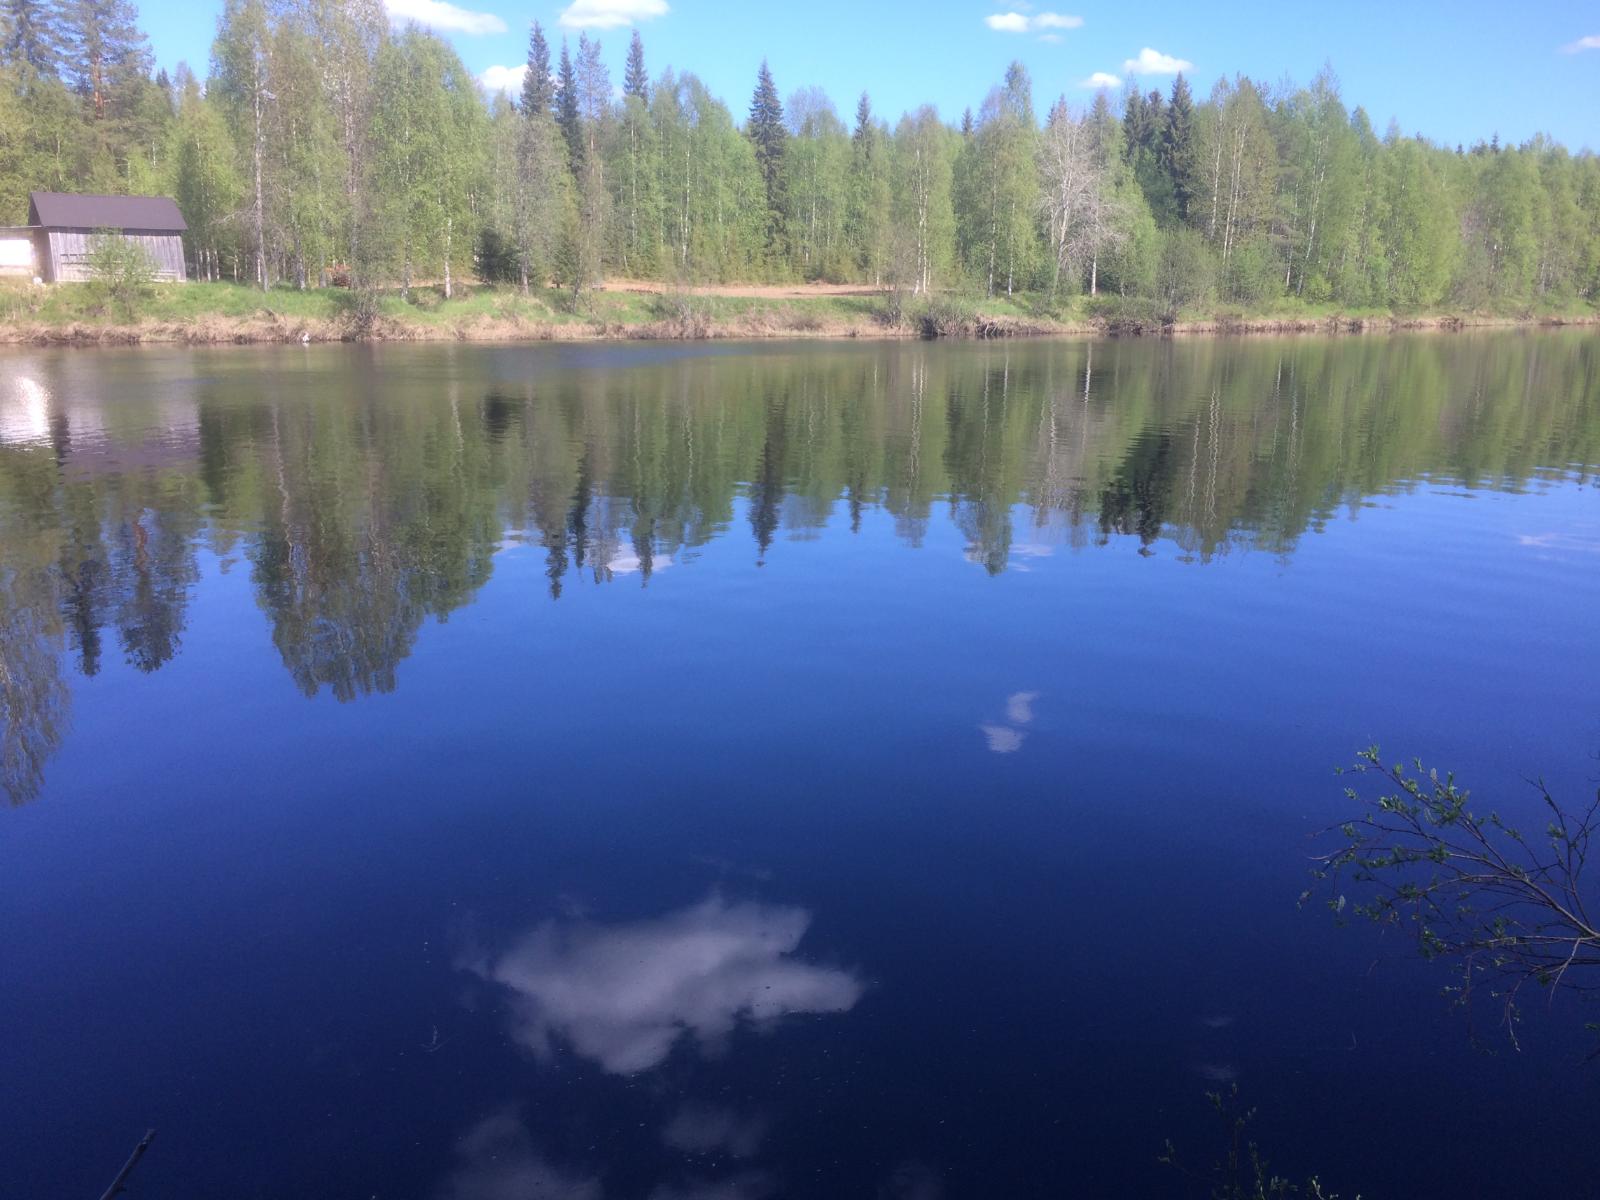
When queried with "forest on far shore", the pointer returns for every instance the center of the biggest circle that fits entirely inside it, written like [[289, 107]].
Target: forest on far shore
[[324, 147]]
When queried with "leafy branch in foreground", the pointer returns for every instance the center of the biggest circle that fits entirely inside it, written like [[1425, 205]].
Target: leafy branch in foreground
[[1241, 1174], [1506, 909]]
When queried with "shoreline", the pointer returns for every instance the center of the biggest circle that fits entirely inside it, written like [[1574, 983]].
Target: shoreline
[[267, 328]]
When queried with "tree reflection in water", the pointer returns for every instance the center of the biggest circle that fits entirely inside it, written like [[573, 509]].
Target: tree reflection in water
[[369, 491]]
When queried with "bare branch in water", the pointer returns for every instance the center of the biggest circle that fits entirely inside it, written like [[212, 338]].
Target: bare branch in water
[[121, 1181], [1506, 909]]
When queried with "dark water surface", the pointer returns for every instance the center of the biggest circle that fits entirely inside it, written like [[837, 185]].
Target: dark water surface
[[745, 771]]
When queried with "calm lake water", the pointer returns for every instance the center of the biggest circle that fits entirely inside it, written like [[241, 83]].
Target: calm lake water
[[770, 770]]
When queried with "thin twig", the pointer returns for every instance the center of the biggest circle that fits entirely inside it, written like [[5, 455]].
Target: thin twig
[[121, 1181]]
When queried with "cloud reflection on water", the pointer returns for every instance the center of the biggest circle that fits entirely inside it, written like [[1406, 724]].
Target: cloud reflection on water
[[748, 1185], [1007, 738], [498, 1161], [622, 995], [699, 1130]]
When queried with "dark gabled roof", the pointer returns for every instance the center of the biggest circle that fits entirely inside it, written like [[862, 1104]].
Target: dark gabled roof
[[68, 210]]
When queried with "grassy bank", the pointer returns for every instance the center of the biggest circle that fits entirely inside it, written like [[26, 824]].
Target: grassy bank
[[217, 313]]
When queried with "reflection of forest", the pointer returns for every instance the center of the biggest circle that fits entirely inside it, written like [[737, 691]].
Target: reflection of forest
[[366, 495]]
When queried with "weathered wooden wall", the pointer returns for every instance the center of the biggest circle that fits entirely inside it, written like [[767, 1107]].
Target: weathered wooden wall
[[69, 254]]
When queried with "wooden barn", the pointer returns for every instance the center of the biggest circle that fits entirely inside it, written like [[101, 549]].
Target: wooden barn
[[65, 222]]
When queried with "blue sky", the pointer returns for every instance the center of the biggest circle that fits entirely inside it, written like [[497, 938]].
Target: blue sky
[[1452, 71]]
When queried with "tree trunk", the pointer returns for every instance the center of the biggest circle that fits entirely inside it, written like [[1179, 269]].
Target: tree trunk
[[261, 212], [449, 235]]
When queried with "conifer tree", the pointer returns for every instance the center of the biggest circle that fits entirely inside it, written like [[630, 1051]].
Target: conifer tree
[[33, 35], [1177, 152], [769, 137], [538, 92], [566, 102], [1134, 125], [106, 52], [635, 82]]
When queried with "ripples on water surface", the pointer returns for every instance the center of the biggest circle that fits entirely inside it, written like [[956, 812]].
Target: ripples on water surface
[[752, 771]]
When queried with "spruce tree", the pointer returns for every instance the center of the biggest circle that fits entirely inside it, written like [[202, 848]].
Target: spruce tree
[[767, 131], [635, 82], [1133, 125], [1155, 120], [34, 35], [538, 93], [566, 101], [1178, 154]]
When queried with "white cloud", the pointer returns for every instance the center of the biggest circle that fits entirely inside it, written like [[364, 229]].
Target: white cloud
[[1592, 42], [1021, 22], [623, 995], [609, 14], [1153, 62], [436, 14], [1011, 22], [504, 79], [1102, 79]]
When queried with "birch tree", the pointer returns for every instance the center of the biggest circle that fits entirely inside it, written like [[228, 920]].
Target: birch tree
[[242, 69], [923, 219], [867, 195]]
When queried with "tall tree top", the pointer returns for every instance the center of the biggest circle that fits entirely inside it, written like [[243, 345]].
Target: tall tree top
[[538, 90], [1182, 97], [1178, 153], [766, 123], [594, 82], [863, 117], [766, 130], [766, 110], [106, 50], [31, 36], [635, 82], [567, 107], [1018, 93]]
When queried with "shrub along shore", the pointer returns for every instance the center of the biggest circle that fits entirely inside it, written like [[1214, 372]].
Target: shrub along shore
[[223, 313]]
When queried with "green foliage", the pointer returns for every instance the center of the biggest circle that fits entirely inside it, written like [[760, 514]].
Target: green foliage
[[120, 270], [1185, 274], [996, 190], [1253, 274], [867, 199]]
